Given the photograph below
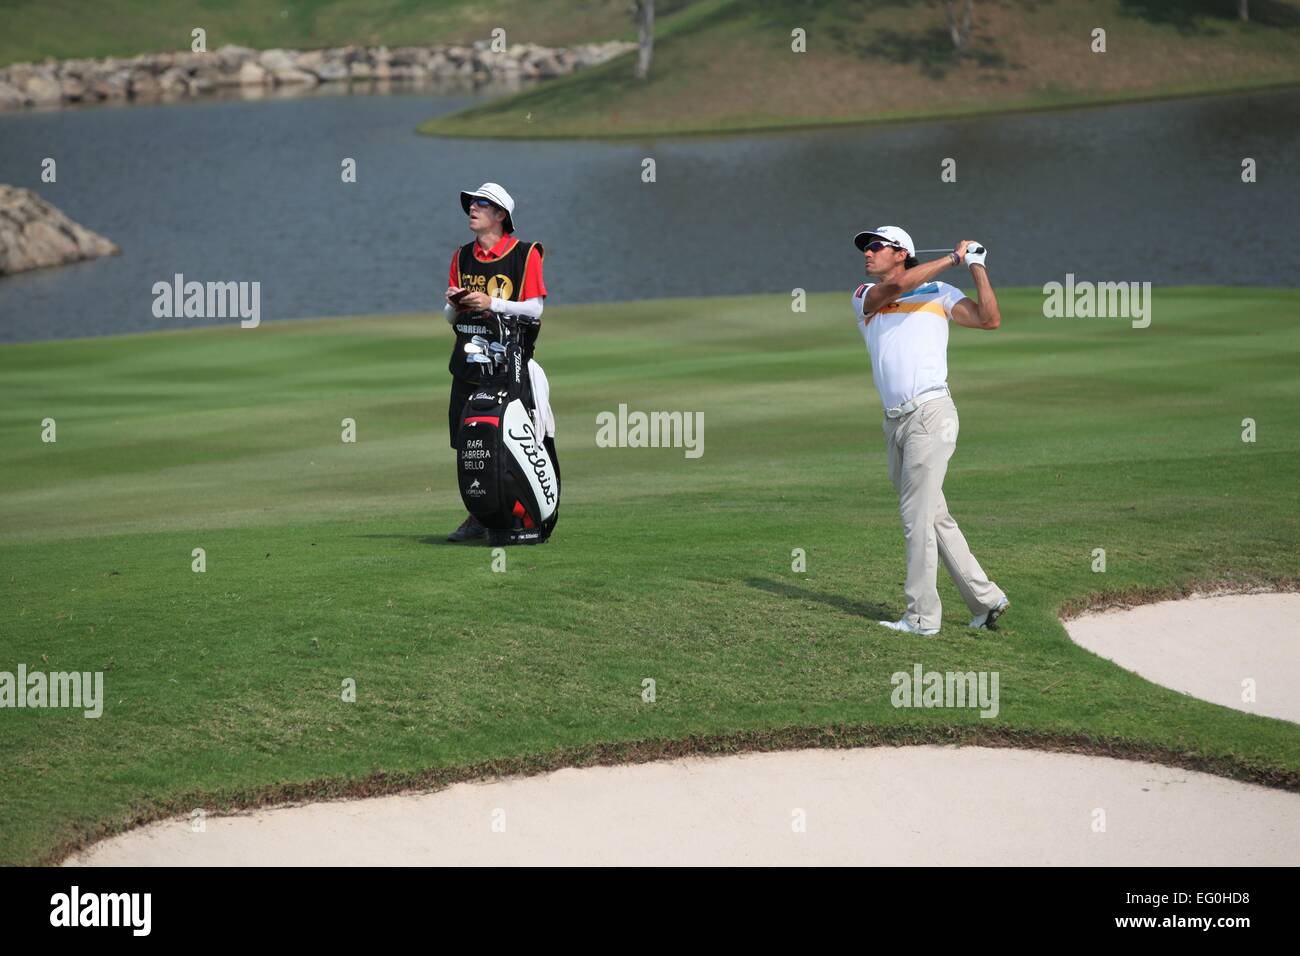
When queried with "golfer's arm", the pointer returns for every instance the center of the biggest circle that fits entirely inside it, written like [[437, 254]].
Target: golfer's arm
[[883, 293], [988, 316]]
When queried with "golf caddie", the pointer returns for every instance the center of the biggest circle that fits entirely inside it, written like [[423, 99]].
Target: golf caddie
[[903, 313], [495, 274]]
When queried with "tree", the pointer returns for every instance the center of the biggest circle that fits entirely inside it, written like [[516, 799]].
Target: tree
[[960, 34], [1243, 10], [645, 36]]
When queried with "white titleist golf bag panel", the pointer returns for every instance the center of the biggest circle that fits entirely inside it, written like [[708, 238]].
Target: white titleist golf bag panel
[[508, 474], [522, 442]]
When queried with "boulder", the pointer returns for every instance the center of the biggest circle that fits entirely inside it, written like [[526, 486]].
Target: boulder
[[19, 73], [33, 234], [42, 87], [547, 67], [174, 82], [332, 72], [11, 98], [276, 61], [294, 78], [112, 86], [232, 57], [144, 85], [210, 75], [225, 77], [253, 74], [72, 88], [195, 61]]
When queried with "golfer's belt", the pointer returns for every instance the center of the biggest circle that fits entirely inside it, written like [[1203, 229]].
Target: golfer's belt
[[912, 404]]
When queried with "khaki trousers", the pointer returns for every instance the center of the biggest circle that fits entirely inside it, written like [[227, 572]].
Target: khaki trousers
[[919, 445]]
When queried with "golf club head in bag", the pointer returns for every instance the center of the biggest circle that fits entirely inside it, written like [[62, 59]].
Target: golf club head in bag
[[509, 475]]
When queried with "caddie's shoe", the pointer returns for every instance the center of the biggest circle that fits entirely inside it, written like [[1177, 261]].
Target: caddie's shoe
[[910, 628], [469, 529], [988, 621]]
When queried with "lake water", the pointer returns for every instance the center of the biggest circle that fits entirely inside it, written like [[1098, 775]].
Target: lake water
[[232, 190]]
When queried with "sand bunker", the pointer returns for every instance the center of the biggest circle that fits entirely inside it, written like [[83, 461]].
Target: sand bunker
[[1208, 647], [918, 806]]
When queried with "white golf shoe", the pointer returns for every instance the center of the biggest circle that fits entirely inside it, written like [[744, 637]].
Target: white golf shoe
[[988, 620], [908, 627]]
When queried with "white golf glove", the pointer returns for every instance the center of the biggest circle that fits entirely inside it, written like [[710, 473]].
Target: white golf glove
[[975, 254]]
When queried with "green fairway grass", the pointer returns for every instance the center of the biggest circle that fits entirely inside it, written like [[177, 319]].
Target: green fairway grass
[[326, 561]]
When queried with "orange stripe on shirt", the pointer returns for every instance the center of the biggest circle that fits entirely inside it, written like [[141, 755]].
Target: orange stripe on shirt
[[931, 306]]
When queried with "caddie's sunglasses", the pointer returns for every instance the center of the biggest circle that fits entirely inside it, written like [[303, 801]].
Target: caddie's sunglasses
[[876, 245], [482, 202]]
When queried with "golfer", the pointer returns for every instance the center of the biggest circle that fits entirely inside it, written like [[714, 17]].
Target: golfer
[[903, 312], [495, 273]]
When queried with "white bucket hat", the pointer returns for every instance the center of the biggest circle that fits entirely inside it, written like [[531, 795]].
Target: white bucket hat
[[495, 194], [891, 234]]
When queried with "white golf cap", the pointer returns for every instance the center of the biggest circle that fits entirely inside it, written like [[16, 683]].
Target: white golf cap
[[495, 194], [891, 234]]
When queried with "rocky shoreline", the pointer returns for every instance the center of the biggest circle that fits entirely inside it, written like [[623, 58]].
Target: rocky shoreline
[[34, 234], [164, 76]]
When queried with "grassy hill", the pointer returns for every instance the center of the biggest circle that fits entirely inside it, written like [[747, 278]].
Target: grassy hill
[[325, 560], [35, 29], [728, 65]]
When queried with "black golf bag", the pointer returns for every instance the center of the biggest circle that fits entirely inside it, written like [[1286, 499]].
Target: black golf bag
[[509, 474]]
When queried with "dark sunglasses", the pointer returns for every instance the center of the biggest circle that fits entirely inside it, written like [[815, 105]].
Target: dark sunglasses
[[482, 202], [876, 245]]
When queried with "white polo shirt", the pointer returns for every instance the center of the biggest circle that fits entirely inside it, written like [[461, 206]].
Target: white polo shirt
[[908, 340]]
